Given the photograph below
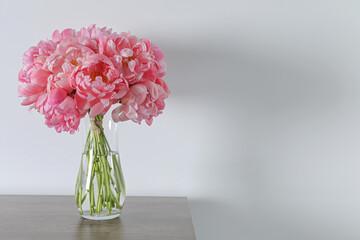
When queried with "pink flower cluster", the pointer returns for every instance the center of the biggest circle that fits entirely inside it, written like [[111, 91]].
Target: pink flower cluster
[[90, 70]]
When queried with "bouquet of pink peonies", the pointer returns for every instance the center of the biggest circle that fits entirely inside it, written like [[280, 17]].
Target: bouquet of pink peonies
[[88, 71]]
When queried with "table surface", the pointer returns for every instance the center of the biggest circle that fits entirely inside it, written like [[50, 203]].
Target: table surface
[[56, 217]]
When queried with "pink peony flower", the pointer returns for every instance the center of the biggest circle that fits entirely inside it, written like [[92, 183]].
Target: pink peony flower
[[98, 85], [94, 33], [60, 111], [68, 55], [91, 36], [33, 77], [67, 33], [136, 59], [144, 101]]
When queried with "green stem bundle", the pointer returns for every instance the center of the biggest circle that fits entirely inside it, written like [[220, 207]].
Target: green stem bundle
[[109, 179]]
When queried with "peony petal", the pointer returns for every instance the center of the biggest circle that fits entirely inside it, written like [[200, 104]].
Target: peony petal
[[162, 69], [56, 37], [111, 48], [56, 96], [153, 89], [68, 33], [63, 83], [40, 77], [96, 109], [117, 61], [149, 121], [105, 110], [163, 85], [28, 58], [122, 90], [115, 114], [27, 90], [139, 92], [126, 52], [30, 100], [41, 100], [130, 112], [80, 102], [123, 43], [123, 117], [67, 106], [132, 65], [139, 48], [159, 55], [95, 58]]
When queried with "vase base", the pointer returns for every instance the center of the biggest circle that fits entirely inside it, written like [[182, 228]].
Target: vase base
[[100, 216]]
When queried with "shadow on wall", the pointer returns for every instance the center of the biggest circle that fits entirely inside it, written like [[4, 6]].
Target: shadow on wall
[[255, 102], [257, 73]]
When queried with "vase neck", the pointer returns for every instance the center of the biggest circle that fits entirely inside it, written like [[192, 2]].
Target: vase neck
[[97, 123], [104, 126]]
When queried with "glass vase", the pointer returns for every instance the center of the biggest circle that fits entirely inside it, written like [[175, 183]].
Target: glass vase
[[100, 186]]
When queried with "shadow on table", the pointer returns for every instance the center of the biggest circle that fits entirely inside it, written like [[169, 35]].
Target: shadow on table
[[216, 220], [104, 230]]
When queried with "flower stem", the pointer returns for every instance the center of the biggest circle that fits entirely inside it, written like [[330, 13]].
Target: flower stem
[[108, 177]]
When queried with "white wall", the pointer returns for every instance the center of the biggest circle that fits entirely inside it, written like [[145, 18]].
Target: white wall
[[262, 128]]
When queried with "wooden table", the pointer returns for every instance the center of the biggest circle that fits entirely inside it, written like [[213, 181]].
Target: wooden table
[[56, 217]]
